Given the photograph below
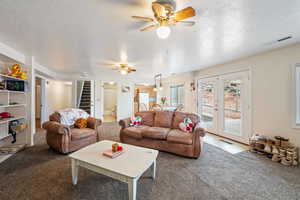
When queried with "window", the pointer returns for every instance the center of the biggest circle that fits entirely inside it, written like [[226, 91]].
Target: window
[[177, 95], [297, 92]]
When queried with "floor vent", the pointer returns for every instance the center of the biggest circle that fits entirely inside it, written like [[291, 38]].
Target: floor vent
[[225, 141]]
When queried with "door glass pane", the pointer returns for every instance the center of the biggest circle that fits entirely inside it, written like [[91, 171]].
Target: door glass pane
[[207, 104], [232, 107]]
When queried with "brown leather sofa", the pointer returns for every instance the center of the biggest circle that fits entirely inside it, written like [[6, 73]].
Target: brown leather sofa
[[160, 130], [65, 139]]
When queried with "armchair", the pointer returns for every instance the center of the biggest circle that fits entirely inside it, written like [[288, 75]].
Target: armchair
[[65, 139]]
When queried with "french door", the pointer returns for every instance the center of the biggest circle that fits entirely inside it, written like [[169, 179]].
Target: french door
[[224, 105]]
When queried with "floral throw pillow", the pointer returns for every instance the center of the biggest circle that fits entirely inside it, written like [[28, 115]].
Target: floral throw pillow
[[136, 121], [187, 125]]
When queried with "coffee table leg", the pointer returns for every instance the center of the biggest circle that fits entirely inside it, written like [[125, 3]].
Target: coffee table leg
[[132, 189], [75, 169], [154, 169]]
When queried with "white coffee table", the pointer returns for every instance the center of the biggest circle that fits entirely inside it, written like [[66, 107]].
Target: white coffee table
[[127, 168]]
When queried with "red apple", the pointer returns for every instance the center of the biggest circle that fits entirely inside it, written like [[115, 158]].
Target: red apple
[[120, 148]]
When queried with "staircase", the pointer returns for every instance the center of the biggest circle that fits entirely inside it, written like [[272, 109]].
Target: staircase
[[85, 101]]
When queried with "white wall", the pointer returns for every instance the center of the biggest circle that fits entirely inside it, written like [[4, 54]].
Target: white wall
[[271, 89], [58, 95]]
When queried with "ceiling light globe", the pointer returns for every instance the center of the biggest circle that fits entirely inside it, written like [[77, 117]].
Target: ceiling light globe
[[123, 72], [163, 32]]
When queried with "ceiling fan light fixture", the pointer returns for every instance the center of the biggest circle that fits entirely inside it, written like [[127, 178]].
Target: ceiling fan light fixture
[[123, 72], [163, 32]]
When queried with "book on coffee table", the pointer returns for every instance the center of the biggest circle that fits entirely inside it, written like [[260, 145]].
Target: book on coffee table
[[111, 154]]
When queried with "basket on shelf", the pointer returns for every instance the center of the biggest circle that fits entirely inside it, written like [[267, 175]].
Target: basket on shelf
[[19, 127]]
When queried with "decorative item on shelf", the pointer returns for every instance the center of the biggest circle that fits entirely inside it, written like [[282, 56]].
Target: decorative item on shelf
[[16, 127], [5, 115], [13, 85], [2, 85], [16, 71]]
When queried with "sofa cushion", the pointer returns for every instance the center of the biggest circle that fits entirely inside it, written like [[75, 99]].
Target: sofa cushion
[[147, 117], [179, 116], [163, 119], [178, 136], [78, 134], [135, 132], [158, 133]]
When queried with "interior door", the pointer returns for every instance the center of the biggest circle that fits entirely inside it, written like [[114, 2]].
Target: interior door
[[208, 103]]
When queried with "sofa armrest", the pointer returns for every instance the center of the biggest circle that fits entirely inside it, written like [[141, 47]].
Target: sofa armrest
[[93, 123], [124, 123], [199, 131], [56, 128]]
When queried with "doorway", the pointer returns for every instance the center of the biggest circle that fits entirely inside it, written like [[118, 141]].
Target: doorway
[[39, 101], [110, 102], [224, 105], [143, 101]]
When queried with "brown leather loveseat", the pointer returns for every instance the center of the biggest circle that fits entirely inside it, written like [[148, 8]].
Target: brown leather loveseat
[[160, 130], [65, 139]]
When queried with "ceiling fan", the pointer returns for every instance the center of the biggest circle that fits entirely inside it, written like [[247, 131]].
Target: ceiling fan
[[165, 16], [123, 68]]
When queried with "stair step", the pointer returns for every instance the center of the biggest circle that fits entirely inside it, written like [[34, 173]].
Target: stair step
[[85, 104], [84, 107]]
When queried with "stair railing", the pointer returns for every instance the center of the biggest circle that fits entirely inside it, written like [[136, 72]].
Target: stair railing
[[80, 93]]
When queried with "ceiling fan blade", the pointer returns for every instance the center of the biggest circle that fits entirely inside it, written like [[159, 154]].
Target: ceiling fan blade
[[152, 26], [131, 69], [186, 23], [145, 19], [185, 13], [158, 9]]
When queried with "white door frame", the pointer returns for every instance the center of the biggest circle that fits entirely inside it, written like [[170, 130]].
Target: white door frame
[[43, 113], [245, 107], [214, 81], [219, 108]]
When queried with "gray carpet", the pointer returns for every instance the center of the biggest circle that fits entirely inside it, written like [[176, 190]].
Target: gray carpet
[[40, 173]]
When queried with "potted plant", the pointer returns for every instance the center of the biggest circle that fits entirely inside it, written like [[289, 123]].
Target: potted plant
[[163, 100]]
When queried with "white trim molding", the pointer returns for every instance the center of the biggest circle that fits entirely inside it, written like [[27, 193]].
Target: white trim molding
[[296, 96]]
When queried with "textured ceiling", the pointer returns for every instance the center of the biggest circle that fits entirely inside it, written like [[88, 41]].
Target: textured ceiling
[[76, 36]]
